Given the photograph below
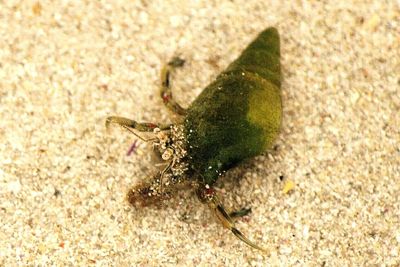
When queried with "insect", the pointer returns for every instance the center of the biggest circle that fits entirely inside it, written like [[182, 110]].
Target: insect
[[236, 117]]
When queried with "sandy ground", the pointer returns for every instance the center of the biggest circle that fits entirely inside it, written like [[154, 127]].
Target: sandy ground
[[67, 65]]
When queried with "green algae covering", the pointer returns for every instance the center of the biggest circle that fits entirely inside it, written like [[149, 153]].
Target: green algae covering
[[239, 114]]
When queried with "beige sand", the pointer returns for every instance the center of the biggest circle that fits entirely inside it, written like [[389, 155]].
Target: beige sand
[[65, 66]]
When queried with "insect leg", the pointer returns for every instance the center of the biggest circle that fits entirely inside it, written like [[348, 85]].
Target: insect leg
[[239, 213], [131, 125], [141, 127], [166, 92], [209, 196], [163, 173]]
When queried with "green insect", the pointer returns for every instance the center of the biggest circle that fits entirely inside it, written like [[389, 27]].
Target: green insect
[[236, 117]]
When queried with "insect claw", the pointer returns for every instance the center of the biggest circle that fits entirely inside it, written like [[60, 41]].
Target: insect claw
[[239, 235], [208, 195], [108, 122], [176, 62], [228, 223], [166, 93], [120, 121]]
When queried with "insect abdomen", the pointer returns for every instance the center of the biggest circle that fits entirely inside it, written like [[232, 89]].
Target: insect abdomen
[[238, 115]]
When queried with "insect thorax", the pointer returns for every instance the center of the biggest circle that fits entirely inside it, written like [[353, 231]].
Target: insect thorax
[[171, 146]]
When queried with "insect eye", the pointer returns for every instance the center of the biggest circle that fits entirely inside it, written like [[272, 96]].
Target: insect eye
[[167, 154], [163, 137]]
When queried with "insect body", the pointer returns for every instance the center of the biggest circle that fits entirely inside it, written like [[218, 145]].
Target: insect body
[[236, 117]]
